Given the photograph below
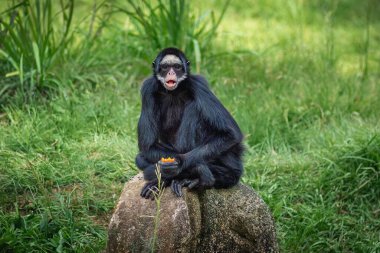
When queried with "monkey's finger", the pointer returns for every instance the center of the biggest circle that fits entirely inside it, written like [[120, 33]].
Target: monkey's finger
[[178, 190], [185, 183], [193, 184], [152, 196], [172, 186], [145, 193], [153, 192], [148, 193]]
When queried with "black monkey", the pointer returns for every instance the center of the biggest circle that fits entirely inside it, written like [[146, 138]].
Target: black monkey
[[182, 118]]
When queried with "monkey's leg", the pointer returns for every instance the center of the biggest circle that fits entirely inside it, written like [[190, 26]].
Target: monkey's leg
[[151, 188], [141, 162], [206, 178], [150, 172], [228, 172]]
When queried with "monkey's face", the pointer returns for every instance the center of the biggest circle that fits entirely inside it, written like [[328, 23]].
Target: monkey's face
[[171, 71]]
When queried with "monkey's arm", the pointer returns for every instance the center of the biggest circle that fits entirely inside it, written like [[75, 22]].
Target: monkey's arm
[[212, 149], [147, 161], [147, 128], [157, 151], [226, 132]]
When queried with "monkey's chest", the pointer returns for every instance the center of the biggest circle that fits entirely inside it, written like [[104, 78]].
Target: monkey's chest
[[170, 119]]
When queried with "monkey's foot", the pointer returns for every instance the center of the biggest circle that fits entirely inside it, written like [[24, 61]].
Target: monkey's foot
[[150, 189], [177, 185]]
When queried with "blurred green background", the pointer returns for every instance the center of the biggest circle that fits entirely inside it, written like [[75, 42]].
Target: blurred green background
[[300, 77]]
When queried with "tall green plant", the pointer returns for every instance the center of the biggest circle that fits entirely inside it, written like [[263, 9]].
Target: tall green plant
[[171, 23], [34, 39]]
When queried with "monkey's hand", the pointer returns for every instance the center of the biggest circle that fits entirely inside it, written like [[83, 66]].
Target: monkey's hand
[[177, 185], [191, 184], [151, 189], [169, 169]]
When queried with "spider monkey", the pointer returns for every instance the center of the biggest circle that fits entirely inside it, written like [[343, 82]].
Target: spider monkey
[[182, 118]]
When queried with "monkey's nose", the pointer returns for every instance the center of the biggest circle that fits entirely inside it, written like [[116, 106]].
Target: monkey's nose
[[171, 72]]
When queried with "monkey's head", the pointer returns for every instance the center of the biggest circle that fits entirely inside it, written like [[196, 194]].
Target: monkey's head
[[171, 67]]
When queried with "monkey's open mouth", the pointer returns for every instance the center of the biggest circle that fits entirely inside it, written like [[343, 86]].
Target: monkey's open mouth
[[170, 84]]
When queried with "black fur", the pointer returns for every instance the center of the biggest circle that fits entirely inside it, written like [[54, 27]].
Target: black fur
[[191, 124]]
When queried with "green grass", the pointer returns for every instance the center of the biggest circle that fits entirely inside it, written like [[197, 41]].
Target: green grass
[[62, 168], [301, 79]]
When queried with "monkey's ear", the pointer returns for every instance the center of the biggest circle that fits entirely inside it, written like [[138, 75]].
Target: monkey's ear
[[188, 63]]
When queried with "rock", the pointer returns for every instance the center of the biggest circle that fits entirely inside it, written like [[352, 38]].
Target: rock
[[235, 220], [223, 220]]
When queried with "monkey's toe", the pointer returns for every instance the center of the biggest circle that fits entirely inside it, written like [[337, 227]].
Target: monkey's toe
[[176, 187], [193, 184], [149, 190]]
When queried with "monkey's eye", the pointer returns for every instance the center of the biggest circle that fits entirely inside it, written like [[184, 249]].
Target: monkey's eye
[[177, 66], [164, 67]]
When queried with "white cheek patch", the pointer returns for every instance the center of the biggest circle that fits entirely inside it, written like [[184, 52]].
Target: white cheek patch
[[171, 59], [183, 77], [161, 79]]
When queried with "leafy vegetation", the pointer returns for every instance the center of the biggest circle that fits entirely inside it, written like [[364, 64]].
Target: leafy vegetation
[[34, 42], [302, 80], [171, 23]]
